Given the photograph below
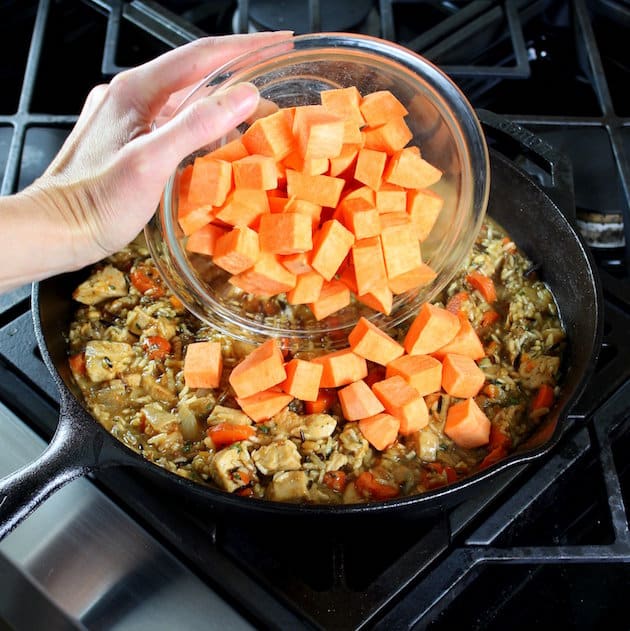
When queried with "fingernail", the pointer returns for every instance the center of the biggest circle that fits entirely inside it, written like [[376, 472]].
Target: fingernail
[[242, 98]]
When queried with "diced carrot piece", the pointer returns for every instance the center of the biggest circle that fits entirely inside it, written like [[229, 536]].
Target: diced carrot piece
[[489, 317], [369, 167], [466, 425], [371, 342], [390, 137], [270, 136], [336, 480], [236, 250], [285, 233], [333, 297], [483, 284], [261, 406], [432, 328], [391, 199], [369, 265], [230, 151], [319, 133], [401, 250], [77, 364], [243, 207], [267, 277], [308, 288], [156, 346], [418, 277], [203, 365], [341, 368], [303, 379], [461, 377], [192, 219], [262, 369], [331, 244], [379, 298], [299, 263], [543, 398], [456, 301], [345, 102], [358, 401], [421, 372], [210, 183], [403, 402], [406, 168], [324, 402], [224, 434], [370, 488], [255, 172], [380, 430], [319, 189], [344, 160], [203, 241], [380, 107], [360, 217], [466, 341], [424, 207]]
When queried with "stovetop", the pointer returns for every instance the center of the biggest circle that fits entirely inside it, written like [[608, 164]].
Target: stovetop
[[546, 541]]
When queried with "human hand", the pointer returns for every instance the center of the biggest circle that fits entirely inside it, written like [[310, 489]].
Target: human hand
[[108, 177]]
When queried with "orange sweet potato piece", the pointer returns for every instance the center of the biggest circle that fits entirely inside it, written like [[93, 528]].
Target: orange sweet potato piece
[[243, 207], [319, 132], [345, 159], [380, 107], [285, 233], [424, 207], [461, 377], [255, 172], [371, 342], [236, 250], [401, 250], [345, 102], [403, 402], [299, 263], [391, 199], [295, 205], [422, 275], [331, 244], [303, 379], [466, 425], [358, 401], [432, 328], [334, 295], [390, 137], [261, 406], [369, 167], [406, 168], [309, 166], [308, 288], [379, 298], [210, 182], [319, 189], [203, 241], [203, 365], [230, 151], [341, 368], [466, 342], [191, 219], [369, 265], [262, 369], [380, 430], [360, 217], [267, 277], [422, 372], [270, 136]]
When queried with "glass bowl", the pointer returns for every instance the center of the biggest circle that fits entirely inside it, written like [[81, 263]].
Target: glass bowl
[[444, 126]]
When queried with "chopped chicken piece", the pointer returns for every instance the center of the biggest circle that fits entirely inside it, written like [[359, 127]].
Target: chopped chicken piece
[[281, 455], [106, 360], [226, 466], [159, 419], [106, 283], [316, 426], [223, 414], [288, 485]]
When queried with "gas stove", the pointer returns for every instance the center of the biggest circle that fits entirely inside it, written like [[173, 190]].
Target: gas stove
[[547, 541]]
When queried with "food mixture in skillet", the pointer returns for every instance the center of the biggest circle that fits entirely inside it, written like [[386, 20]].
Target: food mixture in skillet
[[129, 340]]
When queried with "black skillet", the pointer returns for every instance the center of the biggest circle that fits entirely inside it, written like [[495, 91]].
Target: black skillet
[[80, 445]]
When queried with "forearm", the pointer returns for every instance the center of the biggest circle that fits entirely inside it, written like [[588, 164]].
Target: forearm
[[35, 240]]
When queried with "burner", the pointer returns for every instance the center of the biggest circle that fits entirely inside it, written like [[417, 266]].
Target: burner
[[304, 16]]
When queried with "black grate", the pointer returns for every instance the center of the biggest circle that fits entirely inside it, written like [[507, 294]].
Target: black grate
[[546, 541]]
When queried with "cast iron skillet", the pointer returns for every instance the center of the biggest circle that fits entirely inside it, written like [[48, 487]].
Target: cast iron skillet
[[81, 445]]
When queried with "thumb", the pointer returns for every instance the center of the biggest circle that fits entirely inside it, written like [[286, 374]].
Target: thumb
[[204, 121]]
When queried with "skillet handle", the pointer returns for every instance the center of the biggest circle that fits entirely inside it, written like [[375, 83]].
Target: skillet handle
[[511, 138], [73, 451]]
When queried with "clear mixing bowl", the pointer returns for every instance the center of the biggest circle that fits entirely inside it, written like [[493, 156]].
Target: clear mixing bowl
[[444, 126]]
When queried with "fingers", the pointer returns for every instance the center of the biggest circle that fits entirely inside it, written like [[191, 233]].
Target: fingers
[[203, 122], [182, 67]]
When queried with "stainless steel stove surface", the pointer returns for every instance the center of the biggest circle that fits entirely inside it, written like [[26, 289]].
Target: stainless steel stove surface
[[545, 542]]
